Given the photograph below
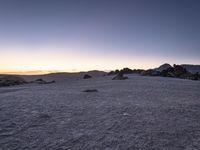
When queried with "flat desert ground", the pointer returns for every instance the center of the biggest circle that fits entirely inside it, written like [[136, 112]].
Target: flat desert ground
[[141, 113]]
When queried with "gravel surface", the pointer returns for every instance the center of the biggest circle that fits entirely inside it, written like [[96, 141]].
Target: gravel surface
[[141, 113]]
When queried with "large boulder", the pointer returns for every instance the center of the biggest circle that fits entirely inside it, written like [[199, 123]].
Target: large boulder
[[10, 80], [87, 76], [163, 67]]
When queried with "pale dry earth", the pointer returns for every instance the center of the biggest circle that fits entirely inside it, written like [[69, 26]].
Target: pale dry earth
[[141, 113]]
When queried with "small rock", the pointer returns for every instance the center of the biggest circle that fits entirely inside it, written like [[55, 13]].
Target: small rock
[[91, 90], [41, 81]]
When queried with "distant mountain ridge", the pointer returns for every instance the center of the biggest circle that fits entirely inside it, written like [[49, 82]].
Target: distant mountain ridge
[[61, 76], [65, 75]]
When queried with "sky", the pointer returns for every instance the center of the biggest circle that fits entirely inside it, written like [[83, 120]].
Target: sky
[[38, 36]]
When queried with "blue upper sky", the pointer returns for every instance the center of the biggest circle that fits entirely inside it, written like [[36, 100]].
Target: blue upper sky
[[98, 34]]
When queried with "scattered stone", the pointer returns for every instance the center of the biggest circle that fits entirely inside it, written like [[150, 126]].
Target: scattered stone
[[86, 76], [41, 81]]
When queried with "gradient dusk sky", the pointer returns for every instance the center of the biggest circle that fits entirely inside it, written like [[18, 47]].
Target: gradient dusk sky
[[80, 35]]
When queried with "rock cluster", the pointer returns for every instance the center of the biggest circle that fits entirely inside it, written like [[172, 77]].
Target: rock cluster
[[126, 71], [177, 71]]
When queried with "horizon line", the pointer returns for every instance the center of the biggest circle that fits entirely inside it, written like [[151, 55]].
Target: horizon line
[[44, 72]]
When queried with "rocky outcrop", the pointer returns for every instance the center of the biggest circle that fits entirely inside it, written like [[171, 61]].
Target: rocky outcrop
[[10, 80], [177, 71], [165, 70]]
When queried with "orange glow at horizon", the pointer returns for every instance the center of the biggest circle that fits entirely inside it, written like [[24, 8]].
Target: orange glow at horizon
[[48, 60]]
